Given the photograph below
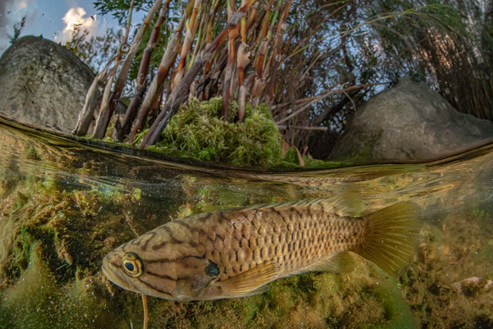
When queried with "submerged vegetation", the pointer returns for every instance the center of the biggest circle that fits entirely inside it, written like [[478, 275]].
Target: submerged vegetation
[[310, 64], [64, 207], [50, 272]]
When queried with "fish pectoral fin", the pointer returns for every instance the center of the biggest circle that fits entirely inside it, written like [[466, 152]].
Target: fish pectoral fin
[[250, 282], [258, 291], [342, 262]]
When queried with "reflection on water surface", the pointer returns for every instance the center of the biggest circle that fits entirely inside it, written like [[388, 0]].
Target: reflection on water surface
[[65, 205]]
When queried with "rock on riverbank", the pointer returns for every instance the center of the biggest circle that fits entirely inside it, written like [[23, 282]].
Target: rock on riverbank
[[408, 122]]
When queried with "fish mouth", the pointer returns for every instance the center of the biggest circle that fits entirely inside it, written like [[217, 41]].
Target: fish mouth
[[112, 270]]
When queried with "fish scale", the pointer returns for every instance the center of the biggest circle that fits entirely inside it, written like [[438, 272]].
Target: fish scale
[[291, 239], [236, 252]]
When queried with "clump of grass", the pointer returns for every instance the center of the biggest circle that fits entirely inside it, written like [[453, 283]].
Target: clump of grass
[[198, 131]]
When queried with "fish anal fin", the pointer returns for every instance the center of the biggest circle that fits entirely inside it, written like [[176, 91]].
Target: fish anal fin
[[342, 262], [250, 282], [392, 236]]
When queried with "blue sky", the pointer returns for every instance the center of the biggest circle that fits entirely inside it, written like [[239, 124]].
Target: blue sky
[[55, 19]]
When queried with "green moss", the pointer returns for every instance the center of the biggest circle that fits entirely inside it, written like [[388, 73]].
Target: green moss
[[137, 194], [48, 185], [21, 200], [395, 306], [23, 250], [199, 132]]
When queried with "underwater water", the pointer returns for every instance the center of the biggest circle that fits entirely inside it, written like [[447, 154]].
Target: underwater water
[[65, 205]]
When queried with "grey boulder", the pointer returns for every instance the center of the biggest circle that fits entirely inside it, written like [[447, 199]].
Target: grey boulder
[[409, 122], [43, 83]]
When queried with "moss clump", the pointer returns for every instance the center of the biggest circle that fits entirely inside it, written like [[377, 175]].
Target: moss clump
[[199, 132]]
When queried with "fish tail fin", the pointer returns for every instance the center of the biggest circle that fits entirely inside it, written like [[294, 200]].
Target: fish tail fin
[[392, 236]]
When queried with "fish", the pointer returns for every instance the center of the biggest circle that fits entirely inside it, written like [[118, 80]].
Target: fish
[[237, 252]]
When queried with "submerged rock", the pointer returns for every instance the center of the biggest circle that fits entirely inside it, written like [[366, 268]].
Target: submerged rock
[[43, 83], [408, 122]]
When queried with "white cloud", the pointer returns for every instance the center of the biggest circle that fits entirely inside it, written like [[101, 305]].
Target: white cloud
[[74, 19]]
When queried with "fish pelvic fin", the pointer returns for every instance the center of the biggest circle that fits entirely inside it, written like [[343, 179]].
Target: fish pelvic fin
[[392, 236], [251, 282]]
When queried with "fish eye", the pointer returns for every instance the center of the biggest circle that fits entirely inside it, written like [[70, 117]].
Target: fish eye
[[132, 265]]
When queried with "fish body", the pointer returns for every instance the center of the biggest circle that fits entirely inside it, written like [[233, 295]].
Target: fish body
[[237, 252]]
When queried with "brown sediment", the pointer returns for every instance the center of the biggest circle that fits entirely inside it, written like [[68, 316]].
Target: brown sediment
[[453, 250]]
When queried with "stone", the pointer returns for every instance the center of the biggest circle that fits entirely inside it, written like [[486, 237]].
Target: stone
[[43, 84], [408, 122]]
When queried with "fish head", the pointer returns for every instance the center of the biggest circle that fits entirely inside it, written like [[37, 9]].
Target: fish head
[[125, 269], [171, 274]]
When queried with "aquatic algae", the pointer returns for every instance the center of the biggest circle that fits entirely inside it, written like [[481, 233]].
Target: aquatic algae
[[50, 256], [40, 300], [460, 245], [365, 297], [31, 153], [452, 249], [32, 292]]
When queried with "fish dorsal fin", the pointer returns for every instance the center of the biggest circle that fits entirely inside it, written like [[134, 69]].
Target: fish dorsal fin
[[250, 282], [345, 204], [338, 263]]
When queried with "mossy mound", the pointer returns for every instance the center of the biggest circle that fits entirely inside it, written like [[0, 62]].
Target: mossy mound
[[198, 131]]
